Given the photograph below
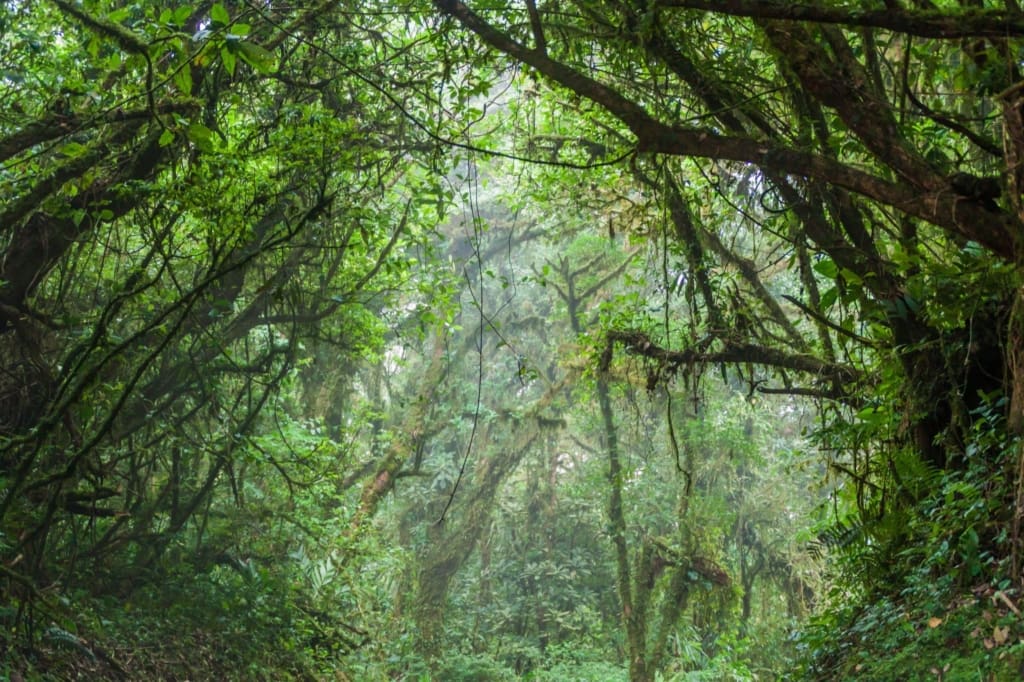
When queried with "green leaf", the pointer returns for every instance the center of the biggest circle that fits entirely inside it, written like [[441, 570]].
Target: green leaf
[[183, 79], [873, 415], [851, 277], [828, 298], [201, 136], [166, 137], [257, 57], [219, 14], [827, 267], [73, 149], [228, 57], [182, 14], [973, 249]]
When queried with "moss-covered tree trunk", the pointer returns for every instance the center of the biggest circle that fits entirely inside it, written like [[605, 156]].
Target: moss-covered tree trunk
[[452, 540], [633, 602]]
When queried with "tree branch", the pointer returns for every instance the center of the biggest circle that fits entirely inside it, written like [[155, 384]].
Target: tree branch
[[536, 26], [128, 41], [638, 343], [57, 125], [973, 23]]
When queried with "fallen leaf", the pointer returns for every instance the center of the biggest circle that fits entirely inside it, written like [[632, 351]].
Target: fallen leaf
[[934, 622], [1000, 634]]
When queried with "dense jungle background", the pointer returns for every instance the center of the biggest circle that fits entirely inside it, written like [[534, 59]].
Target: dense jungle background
[[594, 340]]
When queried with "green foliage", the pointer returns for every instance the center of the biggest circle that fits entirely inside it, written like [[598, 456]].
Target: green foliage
[[937, 590], [571, 666], [304, 311], [472, 668], [929, 627], [696, 657]]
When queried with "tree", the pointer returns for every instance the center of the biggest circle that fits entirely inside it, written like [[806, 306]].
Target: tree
[[201, 204], [843, 152], [876, 154]]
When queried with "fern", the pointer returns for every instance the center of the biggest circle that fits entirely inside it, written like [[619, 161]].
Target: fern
[[66, 640], [839, 538]]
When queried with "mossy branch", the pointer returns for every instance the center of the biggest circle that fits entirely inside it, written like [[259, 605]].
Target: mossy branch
[[125, 38]]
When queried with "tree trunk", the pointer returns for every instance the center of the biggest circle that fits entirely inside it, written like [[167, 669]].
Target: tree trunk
[[634, 617]]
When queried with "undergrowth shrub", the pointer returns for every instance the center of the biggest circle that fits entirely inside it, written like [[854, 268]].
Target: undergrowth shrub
[[934, 599]]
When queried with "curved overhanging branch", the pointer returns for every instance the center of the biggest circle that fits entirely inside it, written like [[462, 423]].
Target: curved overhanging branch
[[43, 237], [994, 229], [57, 125], [639, 343], [969, 23], [634, 116]]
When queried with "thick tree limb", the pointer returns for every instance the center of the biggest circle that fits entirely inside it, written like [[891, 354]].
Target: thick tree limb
[[639, 343], [973, 23], [838, 80], [44, 237], [56, 125], [128, 41]]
